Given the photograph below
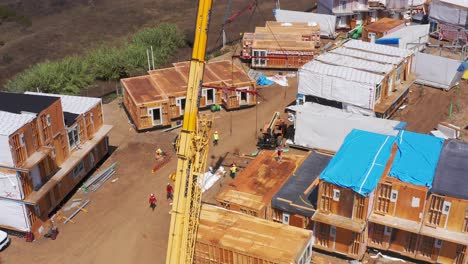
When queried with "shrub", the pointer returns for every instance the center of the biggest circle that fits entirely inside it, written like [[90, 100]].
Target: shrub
[[111, 62], [7, 58], [66, 76]]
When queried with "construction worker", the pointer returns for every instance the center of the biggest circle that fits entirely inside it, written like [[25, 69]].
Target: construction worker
[[215, 138], [152, 201], [233, 170], [159, 153], [280, 153], [169, 192]]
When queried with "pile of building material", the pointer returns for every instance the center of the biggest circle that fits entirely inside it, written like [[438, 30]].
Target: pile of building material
[[96, 181]]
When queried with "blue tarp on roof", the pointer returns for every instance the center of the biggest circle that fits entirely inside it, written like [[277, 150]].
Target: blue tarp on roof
[[416, 159], [360, 161], [388, 41]]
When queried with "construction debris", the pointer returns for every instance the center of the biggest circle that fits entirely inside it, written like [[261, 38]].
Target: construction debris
[[77, 211], [96, 181]]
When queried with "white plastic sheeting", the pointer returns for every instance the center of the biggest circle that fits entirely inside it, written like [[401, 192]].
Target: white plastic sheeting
[[6, 159], [10, 186], [337, 59], [14, 215], [375, 48], [411, 36], [324, 127], [12, 122], [338, 83], [367, 55], [326, 22], [452, 12], [444, 76]]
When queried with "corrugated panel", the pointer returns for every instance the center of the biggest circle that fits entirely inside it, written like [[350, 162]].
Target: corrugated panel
[[343, 73], [367, 56], [376, 48], [350, 62], [74, 104], [10, 122]]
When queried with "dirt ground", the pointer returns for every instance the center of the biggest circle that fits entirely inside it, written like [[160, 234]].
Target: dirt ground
[[119, 227], [65, 27], [428, 106]]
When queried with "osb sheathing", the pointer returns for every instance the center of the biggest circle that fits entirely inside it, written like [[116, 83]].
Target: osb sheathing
[[252, 236], [262, 178]]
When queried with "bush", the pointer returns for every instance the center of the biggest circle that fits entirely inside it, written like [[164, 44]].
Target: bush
[[70, 75], [66, 76]]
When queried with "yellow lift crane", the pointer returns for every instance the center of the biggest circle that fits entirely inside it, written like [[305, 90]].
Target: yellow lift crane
[[192, 153]]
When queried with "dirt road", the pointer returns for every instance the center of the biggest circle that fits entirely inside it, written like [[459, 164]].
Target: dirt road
[[119, 226]]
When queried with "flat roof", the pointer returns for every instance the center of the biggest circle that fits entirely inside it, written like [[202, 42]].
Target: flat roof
[[18, 103], [451, 176], [263, 177], [309, 25], [73, 103], [362, 54], [377, 48], [351, 62], [161, 83], [384, 24], [286, 45], [342, 72], [299, 194], [252, 236]]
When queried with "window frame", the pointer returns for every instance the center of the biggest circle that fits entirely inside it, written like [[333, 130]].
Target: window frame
[[75, 137]]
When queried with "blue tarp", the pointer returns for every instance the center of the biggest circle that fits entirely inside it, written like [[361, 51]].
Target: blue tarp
[[263, 81], [360, 161], [416, 159], [388, 41], [463, 67]]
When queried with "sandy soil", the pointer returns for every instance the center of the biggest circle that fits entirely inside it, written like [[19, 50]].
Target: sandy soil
[[119, 227], [428, 106]]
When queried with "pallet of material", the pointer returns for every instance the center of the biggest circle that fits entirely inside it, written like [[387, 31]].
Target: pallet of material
[[225, 236]]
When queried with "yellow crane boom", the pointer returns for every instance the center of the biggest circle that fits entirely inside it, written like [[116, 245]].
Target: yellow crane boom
[[192, 153]]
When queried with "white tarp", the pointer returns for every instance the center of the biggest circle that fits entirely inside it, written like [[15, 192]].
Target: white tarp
[[324, 127], [410, 35], [451, 12], [6, 158], [326, 22], [444, 76], [338, 83], [14, 214], [10, 186]]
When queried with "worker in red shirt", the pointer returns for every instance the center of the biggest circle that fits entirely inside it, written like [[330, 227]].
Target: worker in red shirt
[[152, 201], [280, 153], [169, 192]]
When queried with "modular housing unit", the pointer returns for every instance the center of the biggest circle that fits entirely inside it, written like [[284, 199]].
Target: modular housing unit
[[346, 191], [444, 234], [281, 45], [158, 99], [226, 236], [401, 196], [379, 29], [252, 189], [49, 143], [295, 203], [359, 77]]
